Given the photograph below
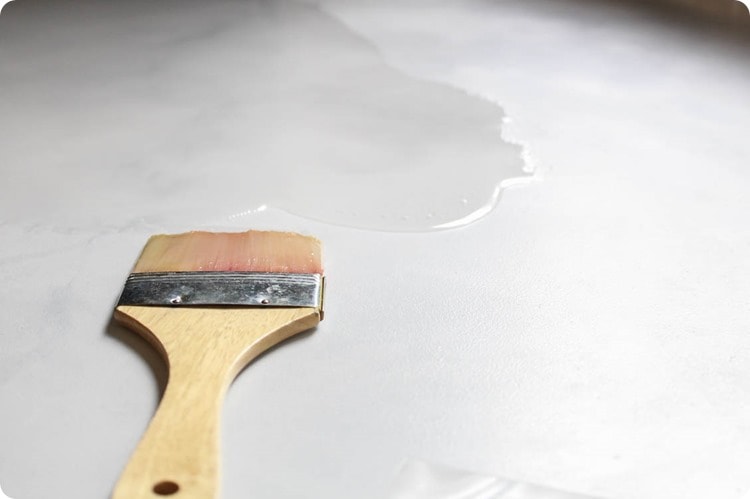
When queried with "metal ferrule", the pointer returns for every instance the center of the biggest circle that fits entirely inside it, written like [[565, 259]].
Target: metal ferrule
[[259, 289]]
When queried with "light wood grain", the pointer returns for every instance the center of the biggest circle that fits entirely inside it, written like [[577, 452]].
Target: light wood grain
[[204, 348]]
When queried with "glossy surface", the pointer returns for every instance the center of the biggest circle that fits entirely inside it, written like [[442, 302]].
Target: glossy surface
[[270, 104], [589, 334]]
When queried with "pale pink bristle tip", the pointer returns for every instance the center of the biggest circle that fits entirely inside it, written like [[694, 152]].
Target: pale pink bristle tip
[[252, 251]]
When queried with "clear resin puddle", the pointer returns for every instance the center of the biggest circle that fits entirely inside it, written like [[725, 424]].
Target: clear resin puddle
[[203, 112]]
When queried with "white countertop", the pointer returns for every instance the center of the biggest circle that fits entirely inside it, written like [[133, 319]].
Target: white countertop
[[583, 327]]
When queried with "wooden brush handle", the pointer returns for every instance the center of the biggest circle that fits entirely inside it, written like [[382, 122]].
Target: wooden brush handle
[[204, 348]]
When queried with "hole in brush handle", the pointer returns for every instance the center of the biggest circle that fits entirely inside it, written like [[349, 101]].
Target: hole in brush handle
[[166, 488]]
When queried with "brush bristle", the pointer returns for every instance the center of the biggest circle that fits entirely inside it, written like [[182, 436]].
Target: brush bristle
[[252, 251]]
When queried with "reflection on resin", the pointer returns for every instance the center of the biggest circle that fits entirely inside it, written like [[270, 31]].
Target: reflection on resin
[[210, 111]]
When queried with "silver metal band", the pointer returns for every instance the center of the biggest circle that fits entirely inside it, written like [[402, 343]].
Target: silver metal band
[[260, 289]]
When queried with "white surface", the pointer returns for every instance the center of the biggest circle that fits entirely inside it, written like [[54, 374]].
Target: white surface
[[278, 102], [590, 334], [422, 480]]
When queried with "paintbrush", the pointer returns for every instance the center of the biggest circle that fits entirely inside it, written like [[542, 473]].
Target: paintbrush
[[209, 303]]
